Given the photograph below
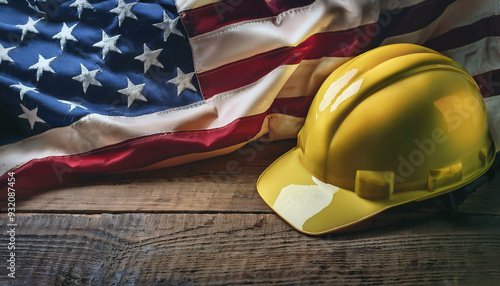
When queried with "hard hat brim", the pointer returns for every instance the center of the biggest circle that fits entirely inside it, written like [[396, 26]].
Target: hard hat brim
[[313, 207]]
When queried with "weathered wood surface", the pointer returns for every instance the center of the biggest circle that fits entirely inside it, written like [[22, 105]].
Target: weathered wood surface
[[235, 249], [222, 184], [190, 226]]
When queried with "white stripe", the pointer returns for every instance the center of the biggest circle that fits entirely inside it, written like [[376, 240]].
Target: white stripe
[[191, 4], [417, 37], [245, 39], [466, 12], [398, 4], [309, 76], [95, 131], [479, 57], [453, 17], [493, 108], [183, 5]]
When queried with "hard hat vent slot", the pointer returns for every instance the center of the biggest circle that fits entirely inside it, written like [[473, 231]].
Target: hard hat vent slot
[[444, 177], [374, 185]]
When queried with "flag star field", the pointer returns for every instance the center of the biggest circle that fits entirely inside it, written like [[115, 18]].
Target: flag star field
[[120, 58]]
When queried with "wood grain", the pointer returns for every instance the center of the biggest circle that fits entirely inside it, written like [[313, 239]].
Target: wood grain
[[221, 184], [205, 224], [257, 249]]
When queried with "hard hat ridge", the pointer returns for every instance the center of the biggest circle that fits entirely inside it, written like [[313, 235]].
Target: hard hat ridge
[[397, 124]]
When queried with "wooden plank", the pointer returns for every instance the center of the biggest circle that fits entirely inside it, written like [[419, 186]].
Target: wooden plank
[[165, 192], [258, 249], [222, 184]]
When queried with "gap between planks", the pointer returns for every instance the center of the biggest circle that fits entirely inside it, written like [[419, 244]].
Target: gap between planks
[[196, 188], [236, 249]]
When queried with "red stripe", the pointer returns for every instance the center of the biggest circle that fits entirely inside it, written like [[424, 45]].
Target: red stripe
[[346, 43], [216, 15], [42, 174], [489, 83], [461, 36], [409, 19]]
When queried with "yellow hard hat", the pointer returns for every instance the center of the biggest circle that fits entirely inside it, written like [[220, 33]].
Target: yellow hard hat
[[399, 123]]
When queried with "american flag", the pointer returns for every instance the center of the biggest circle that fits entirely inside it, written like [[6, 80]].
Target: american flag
[[92, 87]]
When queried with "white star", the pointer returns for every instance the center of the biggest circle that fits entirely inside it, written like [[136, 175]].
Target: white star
[[149, 58], [28, 27], [133, 92], [87, 78], [30, 115], [80, 5], [4, 54], [23, 89], [183, 81], [107, 44], [42, 65], [168, 26], [4, 2], [123, 10], [72, 105], [64, 35]]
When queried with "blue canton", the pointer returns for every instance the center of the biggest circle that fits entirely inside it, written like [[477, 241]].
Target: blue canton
[[61, 60]]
